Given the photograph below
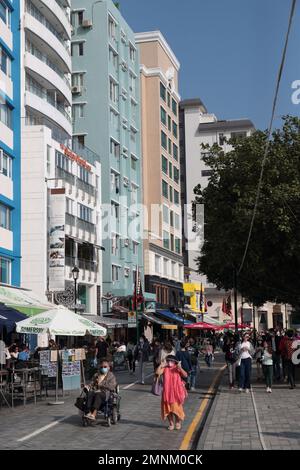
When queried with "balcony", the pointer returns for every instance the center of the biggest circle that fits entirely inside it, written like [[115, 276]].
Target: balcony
[[42, 103], [6, 34], [41, 67], [49, 37], [55, 8], [86, 187], [6, 135]]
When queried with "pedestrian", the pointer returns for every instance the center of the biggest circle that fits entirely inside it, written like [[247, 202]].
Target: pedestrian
[[141, 354], [283, 351], [209, 353], [184, 358], [98, 392], [102, 348], [174, 392], [130, 359], [275, 343], [267, 365], [289, 351], [156, 351], [258, 357], [165, 350], [194, 354], [246, 351], [231, 359]]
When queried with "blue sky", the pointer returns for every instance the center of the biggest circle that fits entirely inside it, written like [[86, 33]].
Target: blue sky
[[229, 51]]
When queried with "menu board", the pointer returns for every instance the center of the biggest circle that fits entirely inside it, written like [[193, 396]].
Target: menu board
[[70, 368]]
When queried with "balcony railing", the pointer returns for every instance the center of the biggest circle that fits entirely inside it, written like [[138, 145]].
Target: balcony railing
[[84, 264], [87, 226], [63, 174], [39, 91], [86, 187]]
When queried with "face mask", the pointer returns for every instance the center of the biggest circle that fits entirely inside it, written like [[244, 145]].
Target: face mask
[[104, 370]]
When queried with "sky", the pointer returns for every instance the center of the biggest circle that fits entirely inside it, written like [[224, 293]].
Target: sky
[[229, 51]]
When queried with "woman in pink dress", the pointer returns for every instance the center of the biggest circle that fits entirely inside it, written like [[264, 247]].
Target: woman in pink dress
[[174, 392]]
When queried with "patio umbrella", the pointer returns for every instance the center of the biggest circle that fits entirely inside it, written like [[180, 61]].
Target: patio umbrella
[[61, 322], [230, 326], [9, 317]]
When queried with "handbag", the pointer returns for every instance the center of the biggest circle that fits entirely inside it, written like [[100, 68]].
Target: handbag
[[80, 403], [157, 387]]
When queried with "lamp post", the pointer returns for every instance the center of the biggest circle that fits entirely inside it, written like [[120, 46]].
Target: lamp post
[[75, 273], [181, 295]]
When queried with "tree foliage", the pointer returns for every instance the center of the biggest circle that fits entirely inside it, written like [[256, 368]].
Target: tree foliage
[[272, 268]]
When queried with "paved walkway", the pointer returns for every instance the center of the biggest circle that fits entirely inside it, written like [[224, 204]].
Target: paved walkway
[[233, 423], [59, 427]]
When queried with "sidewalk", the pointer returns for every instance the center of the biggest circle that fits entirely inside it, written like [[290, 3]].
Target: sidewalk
[[233, 424]]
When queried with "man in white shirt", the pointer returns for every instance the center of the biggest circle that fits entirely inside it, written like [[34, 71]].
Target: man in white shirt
[[246, 352]]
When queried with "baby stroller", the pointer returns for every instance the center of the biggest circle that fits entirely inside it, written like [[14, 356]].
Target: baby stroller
[[120, 360], [110, 409]]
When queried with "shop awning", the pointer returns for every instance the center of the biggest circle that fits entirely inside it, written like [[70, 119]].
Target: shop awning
[[172, 316], [108, 322], [169, 327], [23, 300], [9, 317], [153, 319]]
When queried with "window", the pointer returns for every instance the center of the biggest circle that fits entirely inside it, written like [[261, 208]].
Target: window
[[175, 152], [115, 182], [5, 271], [112, 28], [5, 62], [69, 206], [166, 267], [176, 175], [3, 10], [81, 139], [170, 170], [164, 140], [80, 48], [5, 217], [5, 164], [205, 173], [238, 135], [77, 79], [135, 247], [133, 163], [173, 266], [166, 240], [172, 218], [85, 213], [175, 129], [80, 18], [133, 111], [222, 139], [113, 58], [114, 148], [63, 162], [132, 83], [78, 110], [113, 91], [115, 211], [177, 245], [133, 194], [133, 135], [177, 221], [170, 147], [171, 193], [84, 175], [165, 214], [163, 116], [176, 196], [6, 115], [169, 99], [115, 243], [169, 123], [157, 264], [132, 53], [164, 164], [115, 273], [165, 189], [174, 107], [162, 92], [172, 242]]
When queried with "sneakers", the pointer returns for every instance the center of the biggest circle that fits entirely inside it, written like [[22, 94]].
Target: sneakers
[[192, 389], [240, 390], [247, 390], [90, 416]]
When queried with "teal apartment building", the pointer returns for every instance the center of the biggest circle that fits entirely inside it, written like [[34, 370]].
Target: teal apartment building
[[106, 119]]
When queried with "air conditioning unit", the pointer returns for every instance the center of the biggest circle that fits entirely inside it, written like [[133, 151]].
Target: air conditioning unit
[[124, 66], [87, 24], [126, 182], [126, 272], [76, 90], [126, 242]]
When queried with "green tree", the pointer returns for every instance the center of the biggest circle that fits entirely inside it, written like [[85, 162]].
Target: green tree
[[271, 270]]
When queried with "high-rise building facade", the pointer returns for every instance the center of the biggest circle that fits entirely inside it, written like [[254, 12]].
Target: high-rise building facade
[[198, 127], [106, 116], [10, 143], [61, 223], [161, 173]]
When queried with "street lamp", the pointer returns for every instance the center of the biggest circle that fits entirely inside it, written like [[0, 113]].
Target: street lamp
[[75, 273]]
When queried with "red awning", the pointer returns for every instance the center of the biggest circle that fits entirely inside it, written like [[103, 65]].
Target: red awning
[[201, 326], [231, 326]]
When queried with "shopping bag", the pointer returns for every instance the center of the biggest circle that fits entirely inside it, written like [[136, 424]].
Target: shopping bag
[[157, 387]]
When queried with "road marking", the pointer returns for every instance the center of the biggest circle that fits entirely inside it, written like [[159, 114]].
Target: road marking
[[51, 425], [185, 445], [43, 429], [261, 437], [134, 383]]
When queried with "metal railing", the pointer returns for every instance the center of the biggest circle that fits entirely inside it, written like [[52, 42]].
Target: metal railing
[[86, 187], [83, 264], [87, 226], [65, 175]]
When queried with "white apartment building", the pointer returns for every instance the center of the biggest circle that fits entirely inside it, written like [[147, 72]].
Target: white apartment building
[[61, 221]]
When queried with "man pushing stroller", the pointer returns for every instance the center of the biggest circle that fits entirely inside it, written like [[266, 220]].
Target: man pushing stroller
[[103, 383]]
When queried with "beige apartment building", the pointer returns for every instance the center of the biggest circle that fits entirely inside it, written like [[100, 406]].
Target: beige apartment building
[[163, 262]]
